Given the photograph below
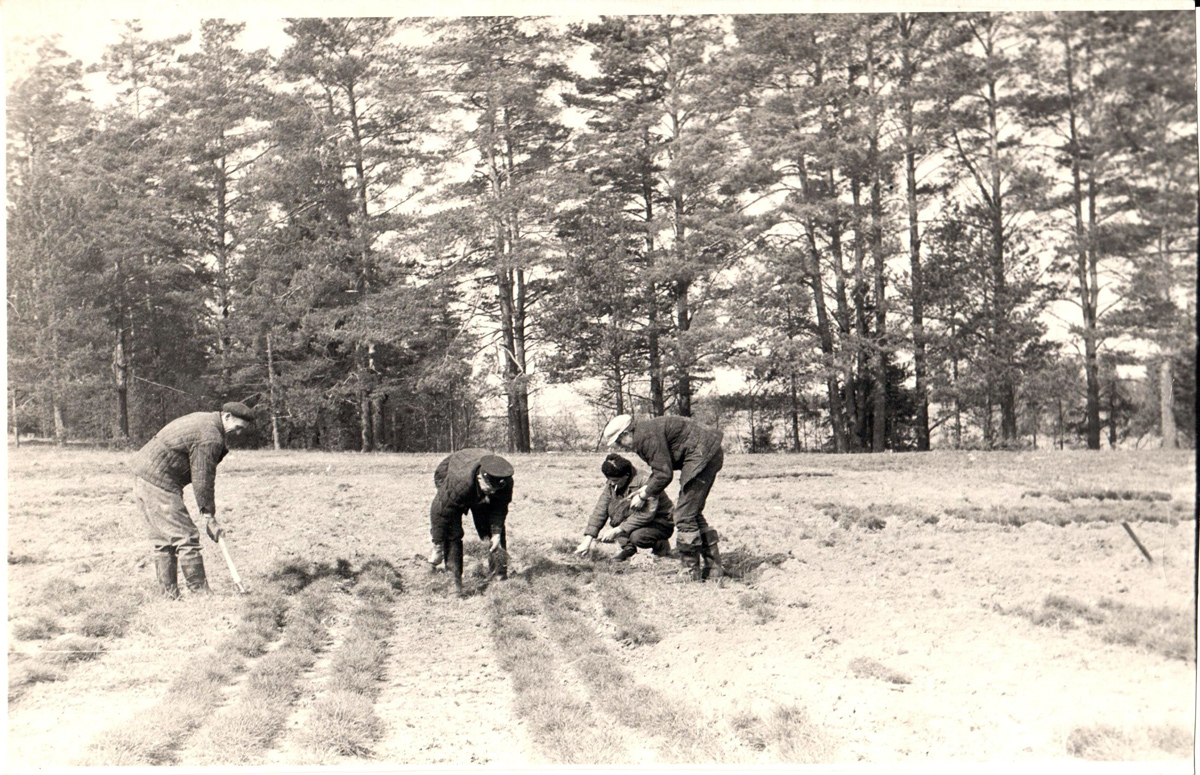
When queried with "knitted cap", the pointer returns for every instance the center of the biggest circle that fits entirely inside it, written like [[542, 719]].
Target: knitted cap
[[239, 410], [616, 426], [615, 466]]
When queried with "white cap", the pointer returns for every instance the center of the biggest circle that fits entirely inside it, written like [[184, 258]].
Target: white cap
[[616, 426]]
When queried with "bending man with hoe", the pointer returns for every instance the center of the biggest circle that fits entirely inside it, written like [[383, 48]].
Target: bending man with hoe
[[671, 444], [649, 527], [475, 480], [186, 451]]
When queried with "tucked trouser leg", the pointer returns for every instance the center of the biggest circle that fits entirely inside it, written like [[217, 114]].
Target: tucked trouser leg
[[445, 525], [710, 555], [192, 564], [454, 563], [690, 525], [166, 570]]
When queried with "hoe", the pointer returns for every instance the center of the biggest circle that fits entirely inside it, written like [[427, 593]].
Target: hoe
[[237, 579]]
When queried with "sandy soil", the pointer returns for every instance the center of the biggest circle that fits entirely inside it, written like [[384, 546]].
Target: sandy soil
[[934, 600]]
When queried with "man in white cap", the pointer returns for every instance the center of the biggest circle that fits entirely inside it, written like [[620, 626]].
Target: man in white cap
[[186, 451], [472, 480], [669, 444]]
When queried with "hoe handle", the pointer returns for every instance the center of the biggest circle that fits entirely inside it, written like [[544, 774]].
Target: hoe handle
[[1129, 530], [237, 579]]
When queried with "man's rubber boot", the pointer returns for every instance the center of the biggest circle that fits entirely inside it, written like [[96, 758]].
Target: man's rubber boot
[[192, 566], [438, 555], [711, 556], [165, 570], [662, 548], [625, 554], [454, 564], [498, 563], [690, 561]]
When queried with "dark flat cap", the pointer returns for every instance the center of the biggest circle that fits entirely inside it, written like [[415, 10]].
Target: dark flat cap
[[495, 466], [238, 409]]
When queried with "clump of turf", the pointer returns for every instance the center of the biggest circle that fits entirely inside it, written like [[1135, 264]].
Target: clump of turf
[[865, 667]]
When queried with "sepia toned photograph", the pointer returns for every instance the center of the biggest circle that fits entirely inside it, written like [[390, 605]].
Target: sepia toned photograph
[[833, 365]]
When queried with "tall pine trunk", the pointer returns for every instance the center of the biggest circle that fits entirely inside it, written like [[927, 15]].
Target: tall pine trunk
[[272, 394], [121, 378], [1166, 402], [916, 273], [879, 345]]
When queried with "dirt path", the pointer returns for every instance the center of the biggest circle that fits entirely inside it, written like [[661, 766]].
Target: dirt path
[[446, 701]]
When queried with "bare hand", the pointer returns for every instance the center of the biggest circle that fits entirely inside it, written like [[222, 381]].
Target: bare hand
[[214, 529]]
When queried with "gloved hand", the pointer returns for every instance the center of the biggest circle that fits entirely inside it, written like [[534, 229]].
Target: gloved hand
[[495, 542], [437, 555], [213, 528], [608, 535], [638, 500], [585, 546]]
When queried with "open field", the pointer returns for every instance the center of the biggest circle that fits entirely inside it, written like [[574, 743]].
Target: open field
[[948, 607]]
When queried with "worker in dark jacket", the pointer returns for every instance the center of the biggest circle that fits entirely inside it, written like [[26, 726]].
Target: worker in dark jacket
[[649, 527], [475, 480], [186, 451], [671, 444]]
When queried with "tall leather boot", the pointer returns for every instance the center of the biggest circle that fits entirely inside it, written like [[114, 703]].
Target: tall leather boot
[[192, 566], [454, 564], [711, 556], [690, 561], [165, 570]]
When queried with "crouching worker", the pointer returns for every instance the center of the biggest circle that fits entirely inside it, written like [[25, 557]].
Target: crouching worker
[[475, 480], [186, 451], [670, 444], [648, 527]]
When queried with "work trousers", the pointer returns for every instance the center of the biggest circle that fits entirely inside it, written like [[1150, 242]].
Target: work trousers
[[644, 537], [688, 514], [165, 519]]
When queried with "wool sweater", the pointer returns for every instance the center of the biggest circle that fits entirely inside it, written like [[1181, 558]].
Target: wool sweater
[[186, 451]]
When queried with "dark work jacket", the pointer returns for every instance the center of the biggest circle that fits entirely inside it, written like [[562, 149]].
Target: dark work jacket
[[185, 451], [671, 444], [458, 489], [613, 508]]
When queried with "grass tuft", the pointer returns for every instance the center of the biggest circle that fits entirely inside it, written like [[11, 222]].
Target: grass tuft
[[72, 648], [619, 605], [26, 675], [1104, 742], [343, 722], [865, 667], [41, 626], [760, 605]]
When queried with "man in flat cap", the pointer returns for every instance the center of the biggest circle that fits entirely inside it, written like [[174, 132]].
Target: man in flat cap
[[478, 481], [649, 527], [186, 451], [671, 444]]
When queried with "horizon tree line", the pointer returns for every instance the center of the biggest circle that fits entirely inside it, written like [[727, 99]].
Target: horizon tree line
[[874, 219]]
